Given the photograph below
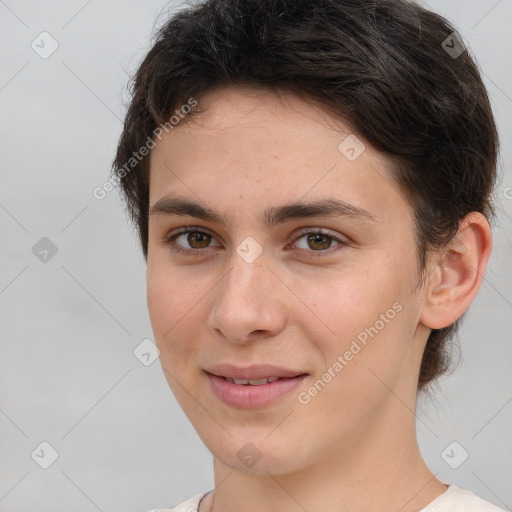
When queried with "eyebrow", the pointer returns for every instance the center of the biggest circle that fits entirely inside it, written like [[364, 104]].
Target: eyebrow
[[175, 205]]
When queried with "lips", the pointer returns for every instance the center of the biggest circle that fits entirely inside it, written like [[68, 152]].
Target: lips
[[253, 372], [253, 386]]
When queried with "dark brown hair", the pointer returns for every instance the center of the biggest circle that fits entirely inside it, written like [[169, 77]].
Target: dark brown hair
[[397, 73]]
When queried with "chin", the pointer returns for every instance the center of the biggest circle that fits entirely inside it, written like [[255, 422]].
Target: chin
[[257, 453]]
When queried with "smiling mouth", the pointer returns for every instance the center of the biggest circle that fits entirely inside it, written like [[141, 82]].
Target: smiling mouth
[[252, 382], [253, 393], [255, 382]]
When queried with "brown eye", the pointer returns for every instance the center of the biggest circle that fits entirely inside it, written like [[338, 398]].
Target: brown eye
[[319, 241], [198, 240], [190, 241]]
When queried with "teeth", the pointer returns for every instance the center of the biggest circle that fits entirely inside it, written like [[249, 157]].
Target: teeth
[[252, 382], [258, 382]]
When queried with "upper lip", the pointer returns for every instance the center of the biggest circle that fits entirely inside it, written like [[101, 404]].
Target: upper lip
[[253, 372]]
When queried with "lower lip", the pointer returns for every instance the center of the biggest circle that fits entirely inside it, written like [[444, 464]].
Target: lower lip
[[250, 397]]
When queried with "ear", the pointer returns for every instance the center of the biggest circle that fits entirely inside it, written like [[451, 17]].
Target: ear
[[456, 273]]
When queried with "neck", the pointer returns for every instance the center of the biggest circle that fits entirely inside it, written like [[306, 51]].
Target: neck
[[378, 469]]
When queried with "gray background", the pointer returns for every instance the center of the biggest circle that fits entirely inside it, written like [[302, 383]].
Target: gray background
[[69, 325]]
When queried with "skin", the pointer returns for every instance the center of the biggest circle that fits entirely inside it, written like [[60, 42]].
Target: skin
[[355, 442]]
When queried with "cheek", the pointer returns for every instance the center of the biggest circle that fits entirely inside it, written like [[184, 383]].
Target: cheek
[[369, 305], [160, 301], [371, 322], [349, 300], [170, 304]]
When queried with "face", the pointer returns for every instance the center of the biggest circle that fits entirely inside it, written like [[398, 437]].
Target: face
[[256, 282]]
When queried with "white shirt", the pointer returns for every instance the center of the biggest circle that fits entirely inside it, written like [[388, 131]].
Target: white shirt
[[454, 499]]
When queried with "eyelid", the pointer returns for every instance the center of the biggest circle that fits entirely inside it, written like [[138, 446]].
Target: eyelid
[[319, 231], [171, 236], [341, 241]]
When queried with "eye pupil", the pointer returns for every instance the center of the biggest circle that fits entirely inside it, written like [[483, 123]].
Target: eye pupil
[[317, 238], [202, 238]]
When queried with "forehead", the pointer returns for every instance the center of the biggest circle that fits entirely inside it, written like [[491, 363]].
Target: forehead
[[253, 103], [251, 148]]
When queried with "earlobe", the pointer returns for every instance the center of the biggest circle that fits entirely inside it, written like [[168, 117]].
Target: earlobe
[[457, 273]]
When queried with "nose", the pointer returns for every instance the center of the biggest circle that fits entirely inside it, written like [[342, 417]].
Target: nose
[[249, 302]]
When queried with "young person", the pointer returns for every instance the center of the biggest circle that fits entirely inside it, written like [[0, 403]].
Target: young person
[[312, 186]]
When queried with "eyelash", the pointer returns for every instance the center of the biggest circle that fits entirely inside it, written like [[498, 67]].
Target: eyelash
[[169, 239]]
